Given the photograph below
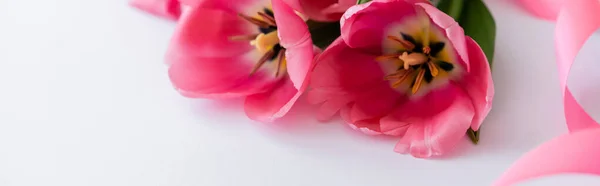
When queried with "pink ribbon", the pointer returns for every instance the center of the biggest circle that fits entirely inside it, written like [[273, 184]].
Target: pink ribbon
[[578, 151]]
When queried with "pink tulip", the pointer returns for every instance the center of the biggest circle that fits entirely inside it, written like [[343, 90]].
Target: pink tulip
[[243, 49], [404, 69]]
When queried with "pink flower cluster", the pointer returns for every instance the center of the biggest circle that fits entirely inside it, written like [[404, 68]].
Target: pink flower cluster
[[400, 67]]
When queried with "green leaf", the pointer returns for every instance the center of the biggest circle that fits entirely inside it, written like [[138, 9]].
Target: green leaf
[[323, 33], [477, 21], [362, 1], [452, 7]]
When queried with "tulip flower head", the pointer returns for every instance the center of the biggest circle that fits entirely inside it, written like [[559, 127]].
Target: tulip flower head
[[404, 69]]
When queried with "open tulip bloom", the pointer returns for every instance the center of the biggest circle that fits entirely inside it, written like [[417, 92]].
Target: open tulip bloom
[[398, 67], [404, 69], [224, 49]]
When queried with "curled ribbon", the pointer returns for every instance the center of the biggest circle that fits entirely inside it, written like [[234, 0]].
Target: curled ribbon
[[578, 151]]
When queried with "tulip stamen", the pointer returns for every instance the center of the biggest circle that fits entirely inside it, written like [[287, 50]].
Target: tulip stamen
[[243, 37], [401, 78], [418, 81], [385, 58], [267, 18], [280, 61], [262, 61], [419, 61], [255, 21], [406, 44], [266, 42], [433, 69]]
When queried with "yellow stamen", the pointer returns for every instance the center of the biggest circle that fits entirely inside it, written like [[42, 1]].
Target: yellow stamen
[[267, 18], [255, 21], [262, 61], [405, 44], [433, 69], [401, 79], [243, 37], [394, 75], [387, 57], [266, 42], [418, 81], [280, 60]]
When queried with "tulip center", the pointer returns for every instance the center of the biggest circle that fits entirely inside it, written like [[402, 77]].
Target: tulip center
[[418, 62], [266, 42]]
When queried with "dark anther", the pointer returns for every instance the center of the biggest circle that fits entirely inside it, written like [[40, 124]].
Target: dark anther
[[268, 12], [428, 77], [409, 38], [276, 50], [436, 47], [445, 65], [267, 30]]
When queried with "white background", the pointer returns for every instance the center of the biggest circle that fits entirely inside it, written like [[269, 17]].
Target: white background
[[85, 100]]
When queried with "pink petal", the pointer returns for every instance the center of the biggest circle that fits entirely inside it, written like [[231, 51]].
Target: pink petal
[[363, 26], [478, 83], [454, 32], [345, 69], [340, 75], [294, 4], [170, 9], [194, 37], [393, 127], [294, 36], [546, 9], [368, 127], [268, 106], [330, 100], [321, 10], [239, 6], [325, 10], [219, 77], [375, 102], [437, 122]]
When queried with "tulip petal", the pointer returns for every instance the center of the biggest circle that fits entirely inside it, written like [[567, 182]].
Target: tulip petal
[[239, 6], [194, 38], [546, 9], [170, 9], [478, 83], [368, 127], [335, 80], [321, 10], [437, 122], [268, 106], [364, 26], [219, 77], [454, 33], [345, 69], [375, 102], [294, 36]]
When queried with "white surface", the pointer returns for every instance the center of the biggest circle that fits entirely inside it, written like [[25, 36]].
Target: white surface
[[85, 100]]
